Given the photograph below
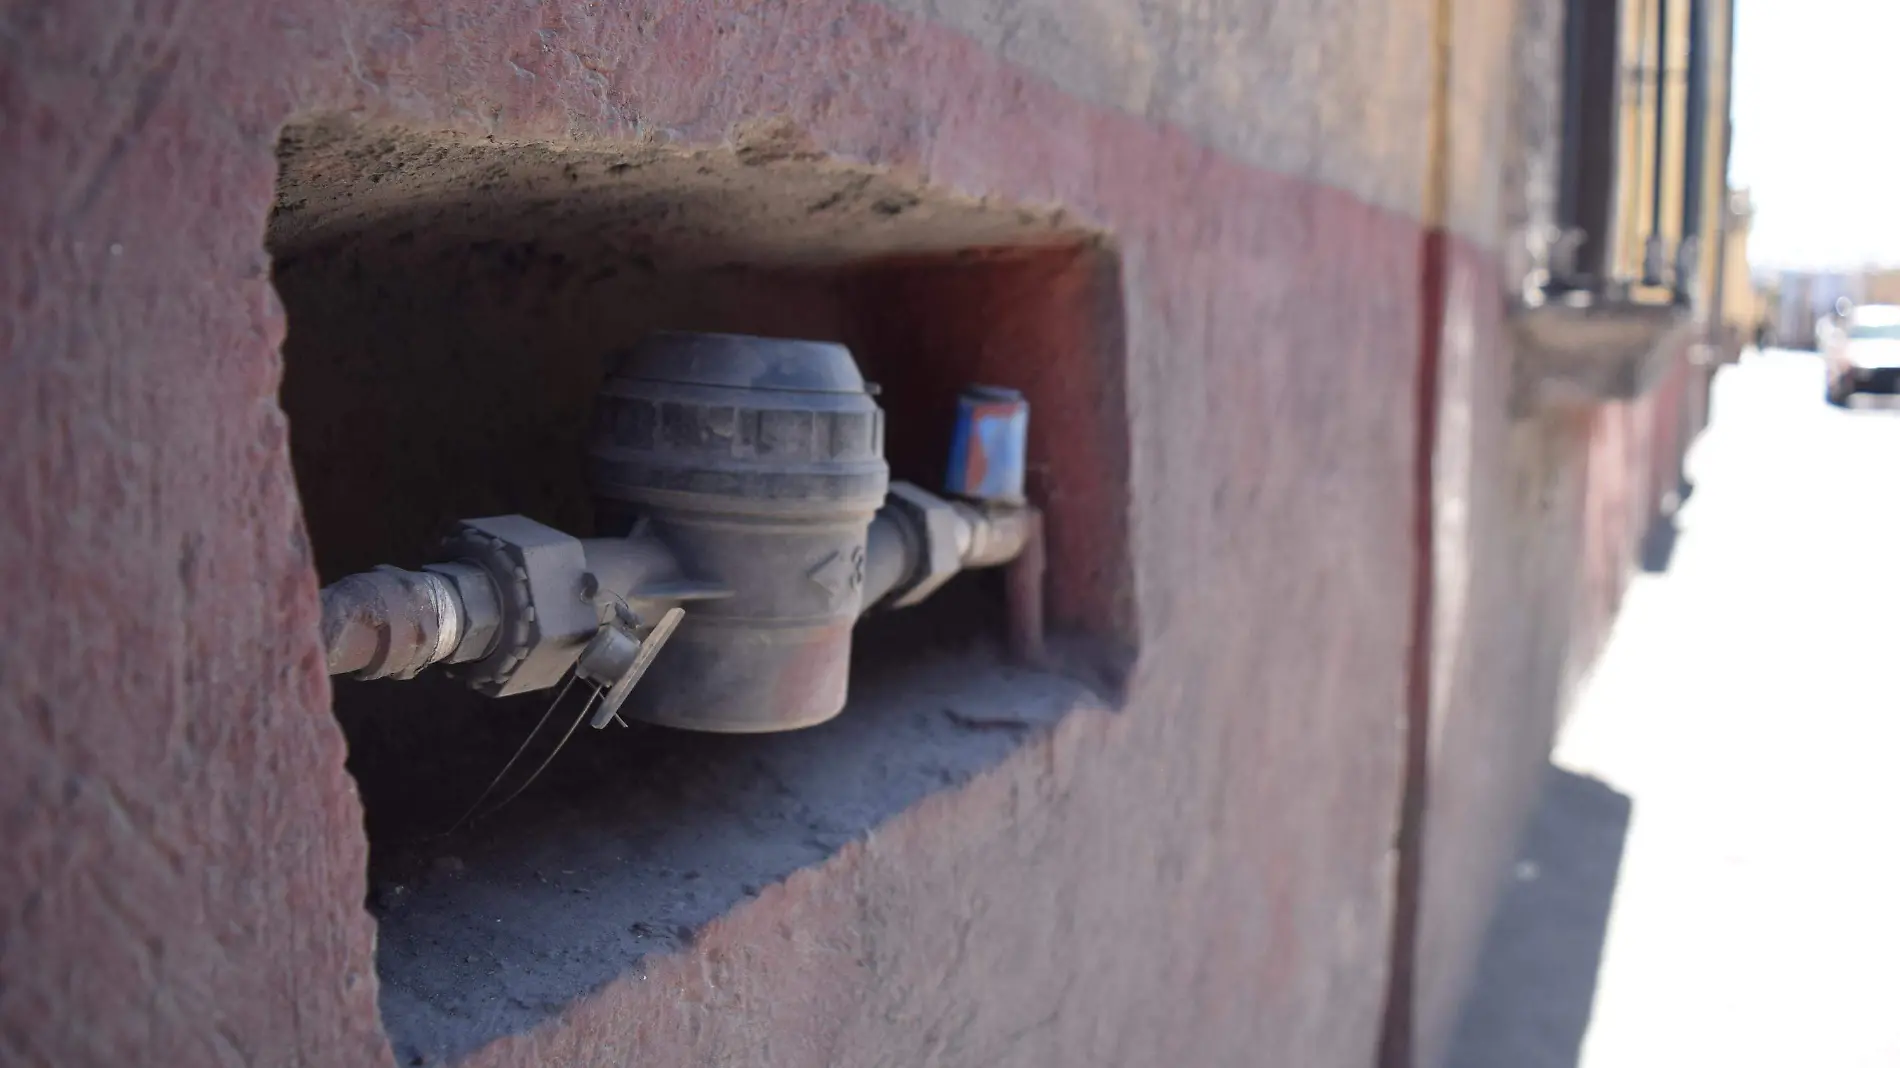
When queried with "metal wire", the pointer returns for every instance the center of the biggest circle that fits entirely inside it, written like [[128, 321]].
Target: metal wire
[[525, 742], [572, 727]]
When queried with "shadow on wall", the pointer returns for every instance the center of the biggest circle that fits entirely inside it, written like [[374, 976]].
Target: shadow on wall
[[451, 304], [1530, 1003], [1659, 542]]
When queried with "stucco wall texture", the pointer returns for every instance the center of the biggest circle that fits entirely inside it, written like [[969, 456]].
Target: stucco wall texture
[[1203, 876]]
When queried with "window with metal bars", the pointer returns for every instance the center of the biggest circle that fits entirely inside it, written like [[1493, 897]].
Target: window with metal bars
[[1635, 146]]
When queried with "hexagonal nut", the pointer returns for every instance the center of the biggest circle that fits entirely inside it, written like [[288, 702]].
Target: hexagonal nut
[[939, 530], [545, 621], [481, 608]]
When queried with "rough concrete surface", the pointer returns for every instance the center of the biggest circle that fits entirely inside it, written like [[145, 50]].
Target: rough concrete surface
[[769, 199], [1538, 517], [1202, 876], [1708, 880], [452, 302], [637, 843], [1328, 91], [1226, 327], [1530, 182], [1508, 508], [1482, 81]]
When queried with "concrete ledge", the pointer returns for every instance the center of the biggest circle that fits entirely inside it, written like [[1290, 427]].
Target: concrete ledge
[[1577, 354]]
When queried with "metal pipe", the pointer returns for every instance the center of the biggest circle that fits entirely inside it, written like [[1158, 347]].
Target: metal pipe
[[634, 567], [1695, 101], [900, 554], [754, 540], [1653, 252], [1728, 142], [1569, 192], [1022, 587], [392, 623], [389, 623], [1594, 142], [890, 556], [993, 534]]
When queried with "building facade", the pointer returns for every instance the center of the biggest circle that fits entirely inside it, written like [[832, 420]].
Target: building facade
[[290, 286]]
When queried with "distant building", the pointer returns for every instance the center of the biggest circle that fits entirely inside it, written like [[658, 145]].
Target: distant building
[[1798, 300], [1881, 286]]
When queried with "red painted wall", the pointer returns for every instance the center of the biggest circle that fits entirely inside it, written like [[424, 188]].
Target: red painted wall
[[1203, 876]]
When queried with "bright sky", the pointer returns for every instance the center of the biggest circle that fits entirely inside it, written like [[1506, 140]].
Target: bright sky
[[1817, 95]]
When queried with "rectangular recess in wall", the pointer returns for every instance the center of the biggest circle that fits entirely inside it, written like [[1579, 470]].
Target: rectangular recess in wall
[[450, 303]]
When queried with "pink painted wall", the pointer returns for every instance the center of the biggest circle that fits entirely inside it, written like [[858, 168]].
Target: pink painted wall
[[1204, 875]]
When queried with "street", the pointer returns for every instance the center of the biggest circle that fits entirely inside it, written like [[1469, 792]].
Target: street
[[1714, 876]]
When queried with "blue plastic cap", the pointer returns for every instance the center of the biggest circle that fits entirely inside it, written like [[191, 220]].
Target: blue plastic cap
[[989, 445]]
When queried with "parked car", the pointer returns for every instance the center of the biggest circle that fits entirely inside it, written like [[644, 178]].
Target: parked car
[[1862, 352]]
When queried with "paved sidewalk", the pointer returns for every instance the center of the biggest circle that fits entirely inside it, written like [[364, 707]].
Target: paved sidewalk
[[1714, 878]]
